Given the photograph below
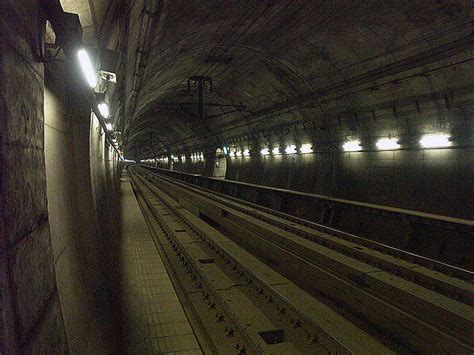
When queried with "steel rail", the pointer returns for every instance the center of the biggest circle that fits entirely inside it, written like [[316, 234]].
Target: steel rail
[[409, 271], [437, 265], [262, 288], [442, 331]]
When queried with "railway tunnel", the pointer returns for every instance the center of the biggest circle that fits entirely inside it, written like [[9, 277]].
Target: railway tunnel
[[272, 176]]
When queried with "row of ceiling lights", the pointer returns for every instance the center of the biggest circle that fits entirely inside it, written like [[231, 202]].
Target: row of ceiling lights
[[439, 140], [175, 158], [91, 77]]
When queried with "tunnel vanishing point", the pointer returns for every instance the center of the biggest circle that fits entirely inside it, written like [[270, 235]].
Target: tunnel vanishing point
[[236, 176]]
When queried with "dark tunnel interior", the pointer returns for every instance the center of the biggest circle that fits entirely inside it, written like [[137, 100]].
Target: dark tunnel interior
[[351, 119]]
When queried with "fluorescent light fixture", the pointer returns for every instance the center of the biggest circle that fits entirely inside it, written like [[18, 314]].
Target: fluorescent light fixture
[[265, 151], [276, 150], [306, 148], [246, 153], [89, 73], [352, 146], [104, 109], [291, 149], [435, 140], [387, 144], [109, 126]]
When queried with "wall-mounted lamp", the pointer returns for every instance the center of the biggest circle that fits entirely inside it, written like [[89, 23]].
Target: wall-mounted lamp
[[245, 152], [265, 151], [87, 69], [387, 144], [290, 149], [352, 146], [439, 140], [276, 150], [104, 109], [306, 148]]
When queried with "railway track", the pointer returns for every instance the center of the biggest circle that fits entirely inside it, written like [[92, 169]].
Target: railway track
[[257, 280]]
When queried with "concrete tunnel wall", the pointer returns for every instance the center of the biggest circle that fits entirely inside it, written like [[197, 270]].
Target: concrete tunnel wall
[[323, 85], [58, 199], [410, 179], [81, 176]]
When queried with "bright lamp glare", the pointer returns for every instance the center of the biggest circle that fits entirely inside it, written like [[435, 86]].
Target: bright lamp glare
[[224, 149], [87, 69], [246, 153], [237, 153], [265, 151], [291, 149], [104, 109], [352, 146], [306, 148], [276, 151], [387, 144], [435, 141], [109, 126]]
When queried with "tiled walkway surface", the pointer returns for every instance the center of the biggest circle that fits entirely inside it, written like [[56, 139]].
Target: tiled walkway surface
[[154, 319]]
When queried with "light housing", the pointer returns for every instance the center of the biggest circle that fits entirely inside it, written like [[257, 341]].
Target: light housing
[[290, 149], [87, 69], [306, 148], [352, 146], [387, 144], [438, 140]]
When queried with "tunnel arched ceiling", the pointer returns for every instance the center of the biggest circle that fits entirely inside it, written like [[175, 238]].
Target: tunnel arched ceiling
[[320, 64]]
